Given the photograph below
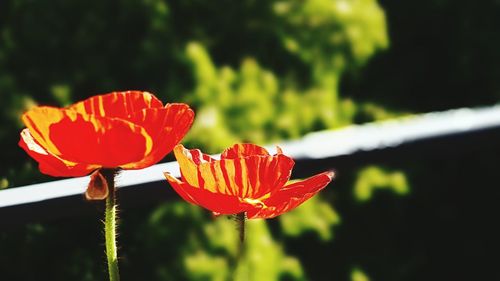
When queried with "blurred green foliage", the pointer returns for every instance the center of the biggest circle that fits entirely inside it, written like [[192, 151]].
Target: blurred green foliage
[[209, 248], [372, 178], [253, 104], [314, 215], [332, 35], [256, 71], [358, 275]]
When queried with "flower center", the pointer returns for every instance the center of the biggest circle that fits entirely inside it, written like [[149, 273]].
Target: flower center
[[255, 202]]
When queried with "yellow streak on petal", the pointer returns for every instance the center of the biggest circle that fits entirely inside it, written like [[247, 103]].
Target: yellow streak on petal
[[102, 112], [149, 142], [221, 183], [188, 167], [210, 183], [255, 202], [257, 184], [147, 98], [39, 120], [244, 178], [267, 195], [240, 150], [231, 173], [79, 107], [147, 138]]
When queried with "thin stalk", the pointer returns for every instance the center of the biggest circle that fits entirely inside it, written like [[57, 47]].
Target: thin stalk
[[110, 226], [240, 220]]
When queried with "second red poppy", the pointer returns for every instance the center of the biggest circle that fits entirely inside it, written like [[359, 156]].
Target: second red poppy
[[246, 179]]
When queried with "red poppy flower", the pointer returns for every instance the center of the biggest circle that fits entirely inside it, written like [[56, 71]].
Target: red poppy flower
[[119, 130], [246, 179]]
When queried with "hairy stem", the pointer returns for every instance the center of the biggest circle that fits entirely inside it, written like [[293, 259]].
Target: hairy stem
[[240, 220], [110, 226]]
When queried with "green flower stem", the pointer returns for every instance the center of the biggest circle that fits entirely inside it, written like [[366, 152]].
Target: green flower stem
[[110, 227], [240, 220], [240, 254]]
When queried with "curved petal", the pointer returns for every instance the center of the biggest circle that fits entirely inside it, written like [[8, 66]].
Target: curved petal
[[178, 186], [215, 202], [240, 150], [250, 177], [189, 168], [199, 157], [87, 139], [256, 176], [166, 126], [291, 196], [49, 163], [117, 104]]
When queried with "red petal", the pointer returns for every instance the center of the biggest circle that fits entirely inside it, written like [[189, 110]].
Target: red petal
[[87, 139], [215, 202], [49, 163], [199, 157], [98, 187], [251, 177], [243, 150], [117, 104], [166, 126], [179, 188], [291, 196], [263, 174]]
